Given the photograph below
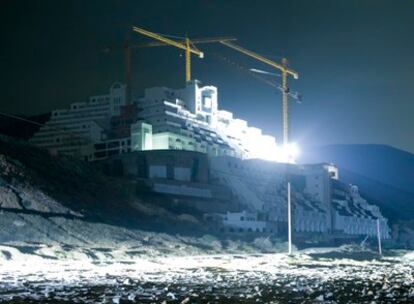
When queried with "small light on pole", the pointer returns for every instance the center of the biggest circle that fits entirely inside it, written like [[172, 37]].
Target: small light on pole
[[379, 237], [289, 220]]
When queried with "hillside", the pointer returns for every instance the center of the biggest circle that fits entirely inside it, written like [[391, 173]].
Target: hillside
[[57, 206], [48, 199], [34, 181]]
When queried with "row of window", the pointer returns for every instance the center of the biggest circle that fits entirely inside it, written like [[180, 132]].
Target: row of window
[[76, 109], [99, 99], [241, 230]]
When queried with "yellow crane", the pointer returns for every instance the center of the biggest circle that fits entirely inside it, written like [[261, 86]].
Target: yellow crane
[[127, 47], [285, 73], [187, 45]]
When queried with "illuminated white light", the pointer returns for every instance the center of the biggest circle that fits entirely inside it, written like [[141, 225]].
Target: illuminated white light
[[262, 146], [290, 152], [265, 147]]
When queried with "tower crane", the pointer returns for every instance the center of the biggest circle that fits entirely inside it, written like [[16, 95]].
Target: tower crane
[[283, 67], [187, 45], [127, 48]]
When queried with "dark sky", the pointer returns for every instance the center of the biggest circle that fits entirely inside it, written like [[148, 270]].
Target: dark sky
[[355, 59]]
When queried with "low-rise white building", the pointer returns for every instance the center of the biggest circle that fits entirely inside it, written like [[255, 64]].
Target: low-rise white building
[[244, 222]]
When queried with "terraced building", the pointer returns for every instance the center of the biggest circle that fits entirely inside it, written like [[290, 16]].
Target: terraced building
[[180, 143]]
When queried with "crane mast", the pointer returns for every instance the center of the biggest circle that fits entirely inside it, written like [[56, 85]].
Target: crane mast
[[187, 60], [285, 102]]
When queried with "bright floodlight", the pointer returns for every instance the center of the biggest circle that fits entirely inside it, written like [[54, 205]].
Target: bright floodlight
[[288, 153], [291, 151], [267, 149]]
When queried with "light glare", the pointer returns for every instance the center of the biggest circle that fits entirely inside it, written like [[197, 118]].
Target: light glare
[[267, 149]]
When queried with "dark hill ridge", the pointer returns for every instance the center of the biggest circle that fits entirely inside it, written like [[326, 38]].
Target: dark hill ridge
[[395, 203], [385, 164], [384, 175]]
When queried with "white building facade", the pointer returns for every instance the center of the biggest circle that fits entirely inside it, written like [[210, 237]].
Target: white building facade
[[179, 119], [189, 119], [76, 130], [320, 202]]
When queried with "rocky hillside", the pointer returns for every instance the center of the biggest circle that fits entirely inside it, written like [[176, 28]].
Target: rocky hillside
[[44, 198], [35, 182], [71, 208]]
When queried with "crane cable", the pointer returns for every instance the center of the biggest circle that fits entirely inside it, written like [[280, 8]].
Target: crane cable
[[245, 70], [242, 68], [45, 125]]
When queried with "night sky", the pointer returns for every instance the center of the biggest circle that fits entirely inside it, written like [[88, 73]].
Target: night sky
[[355, 60]]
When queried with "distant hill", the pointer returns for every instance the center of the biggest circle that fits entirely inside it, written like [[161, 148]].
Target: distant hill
[[384, 175]]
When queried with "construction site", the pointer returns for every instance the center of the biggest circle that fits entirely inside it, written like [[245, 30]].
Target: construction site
[[180, 143], [205, 152]]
